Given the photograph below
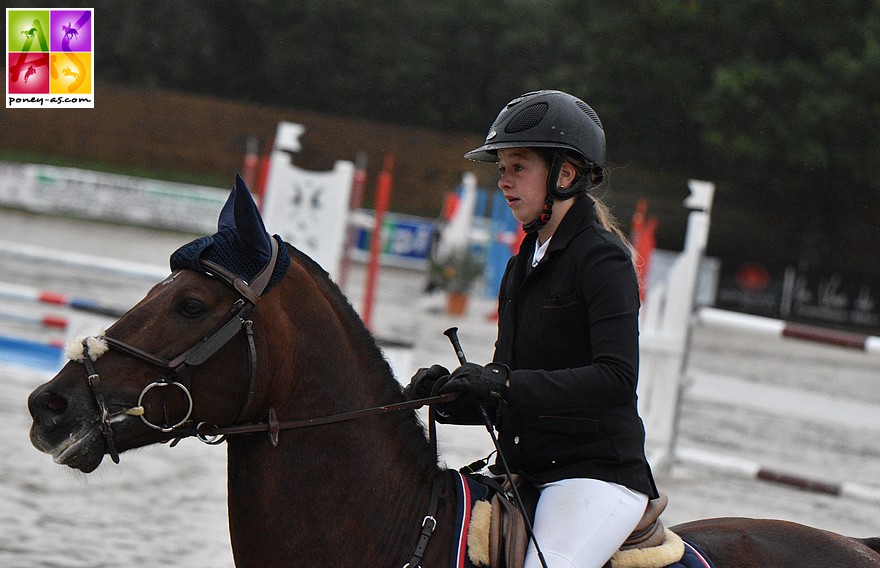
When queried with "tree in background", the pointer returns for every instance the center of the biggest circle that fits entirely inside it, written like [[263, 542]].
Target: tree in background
[[777, 99]]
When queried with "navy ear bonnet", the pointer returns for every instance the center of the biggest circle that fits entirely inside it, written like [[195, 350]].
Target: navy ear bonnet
[[225, 249], [240, 245]]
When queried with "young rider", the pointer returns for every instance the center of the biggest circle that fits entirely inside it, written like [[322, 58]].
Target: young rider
[[562, 384]]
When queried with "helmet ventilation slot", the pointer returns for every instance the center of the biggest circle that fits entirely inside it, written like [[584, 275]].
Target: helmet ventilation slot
[[527, 118]]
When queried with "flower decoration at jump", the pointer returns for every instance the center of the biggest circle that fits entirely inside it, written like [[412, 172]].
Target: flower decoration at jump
[[458, 270]]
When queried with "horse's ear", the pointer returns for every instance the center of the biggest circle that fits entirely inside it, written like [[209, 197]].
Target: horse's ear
[[241, 213], [227, 214]]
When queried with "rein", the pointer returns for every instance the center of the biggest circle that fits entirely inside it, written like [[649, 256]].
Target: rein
[[273, 426]]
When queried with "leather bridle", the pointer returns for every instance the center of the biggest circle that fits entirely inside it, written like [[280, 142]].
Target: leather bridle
[[179, 368], [178, 376]]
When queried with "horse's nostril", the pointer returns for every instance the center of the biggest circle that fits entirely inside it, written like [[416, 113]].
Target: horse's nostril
[[45, 404], [52, 402]]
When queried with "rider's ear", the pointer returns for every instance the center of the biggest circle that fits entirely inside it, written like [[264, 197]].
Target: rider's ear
[[567, 175]]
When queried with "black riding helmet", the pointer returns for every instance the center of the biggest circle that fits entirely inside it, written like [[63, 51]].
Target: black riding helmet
[[553, 120]]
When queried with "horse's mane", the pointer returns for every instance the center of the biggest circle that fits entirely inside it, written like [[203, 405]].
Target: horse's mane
[[391, 390], [351, 320]]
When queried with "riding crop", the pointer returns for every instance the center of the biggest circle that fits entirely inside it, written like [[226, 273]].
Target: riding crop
[[452, 334]]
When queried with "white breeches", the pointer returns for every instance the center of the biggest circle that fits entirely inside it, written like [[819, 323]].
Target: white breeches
[[580, 523]]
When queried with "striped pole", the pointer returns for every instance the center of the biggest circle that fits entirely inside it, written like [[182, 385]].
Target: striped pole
[[43, 356], [47, 320], [778, 328], [23, 293], [752, 470], [104, 265]]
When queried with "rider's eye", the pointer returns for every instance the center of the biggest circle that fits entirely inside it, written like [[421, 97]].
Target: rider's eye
[[190, 307]]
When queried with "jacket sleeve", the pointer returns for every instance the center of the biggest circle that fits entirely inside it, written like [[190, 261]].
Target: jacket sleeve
[[465, 411], [608, 290]]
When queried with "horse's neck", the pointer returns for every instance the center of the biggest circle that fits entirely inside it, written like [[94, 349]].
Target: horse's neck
[[327, 491], [359, 489], [345, 494]]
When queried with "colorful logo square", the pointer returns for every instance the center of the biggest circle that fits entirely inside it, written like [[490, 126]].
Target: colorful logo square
[[71, 30], [27, 30], [50, 58], [69, 73], [28, 73]]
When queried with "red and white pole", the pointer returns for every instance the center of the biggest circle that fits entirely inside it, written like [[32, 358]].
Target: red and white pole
[[778, 328]]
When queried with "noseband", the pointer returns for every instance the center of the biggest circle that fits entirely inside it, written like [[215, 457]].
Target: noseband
[[178, 375]]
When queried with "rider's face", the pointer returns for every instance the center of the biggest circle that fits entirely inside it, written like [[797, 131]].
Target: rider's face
[[524, 182]]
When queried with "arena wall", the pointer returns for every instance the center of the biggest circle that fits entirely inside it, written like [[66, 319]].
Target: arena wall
[[158, 130]]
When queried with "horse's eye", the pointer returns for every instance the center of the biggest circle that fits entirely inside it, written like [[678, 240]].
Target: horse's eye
[[191, 308]]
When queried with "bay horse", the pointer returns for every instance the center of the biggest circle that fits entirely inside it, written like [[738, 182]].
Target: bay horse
[[249, 341]]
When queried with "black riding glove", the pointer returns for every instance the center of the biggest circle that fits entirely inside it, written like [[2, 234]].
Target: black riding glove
[[487, 384], [424, 382]]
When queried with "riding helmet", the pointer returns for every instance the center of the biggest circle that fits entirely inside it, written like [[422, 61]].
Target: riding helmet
[[546, 119]]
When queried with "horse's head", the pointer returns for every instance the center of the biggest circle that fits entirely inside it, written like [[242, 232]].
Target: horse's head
[[184, 355]]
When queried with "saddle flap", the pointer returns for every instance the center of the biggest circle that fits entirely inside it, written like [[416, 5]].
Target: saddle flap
[[649, 532], [506, 536], [652, 512]]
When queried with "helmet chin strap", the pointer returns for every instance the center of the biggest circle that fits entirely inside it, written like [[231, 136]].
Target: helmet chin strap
[[541, 220], [552, 194]]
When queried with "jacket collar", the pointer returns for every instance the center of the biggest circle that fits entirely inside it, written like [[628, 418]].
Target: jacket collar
[[581, 215]]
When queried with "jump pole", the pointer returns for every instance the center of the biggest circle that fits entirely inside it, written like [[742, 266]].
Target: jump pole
[[383, 197], [748, 469], [126, 268], [714, 317], [20, 292], [47, 320], [34, 355]]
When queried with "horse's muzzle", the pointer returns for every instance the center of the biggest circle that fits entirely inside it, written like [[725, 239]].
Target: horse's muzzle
[[65, 428]]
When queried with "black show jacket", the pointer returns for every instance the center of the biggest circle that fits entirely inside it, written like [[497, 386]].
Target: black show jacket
[[568, 329]]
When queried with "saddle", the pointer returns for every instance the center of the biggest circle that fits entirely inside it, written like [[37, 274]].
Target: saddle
[[498, 538]]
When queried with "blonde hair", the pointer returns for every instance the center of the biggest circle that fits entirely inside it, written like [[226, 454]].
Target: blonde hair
[[590, 172], [609, 223]]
